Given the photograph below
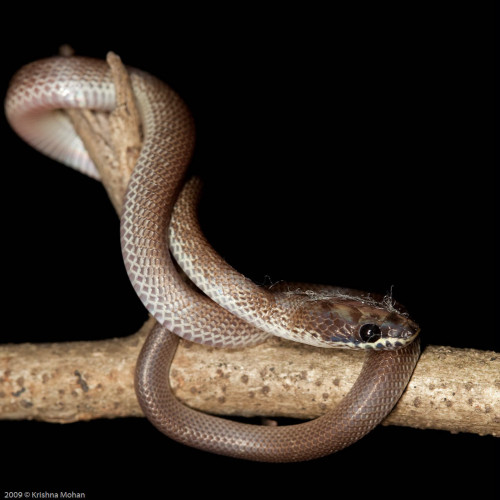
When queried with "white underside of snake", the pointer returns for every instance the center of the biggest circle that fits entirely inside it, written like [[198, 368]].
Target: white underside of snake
[[234, 312]]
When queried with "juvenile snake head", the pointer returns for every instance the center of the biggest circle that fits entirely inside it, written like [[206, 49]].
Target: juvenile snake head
[[352, 321]]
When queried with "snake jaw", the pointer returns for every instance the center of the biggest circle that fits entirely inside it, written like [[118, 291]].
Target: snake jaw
[[400, 329]]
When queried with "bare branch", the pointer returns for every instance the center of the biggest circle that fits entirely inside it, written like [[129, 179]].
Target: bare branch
[[113, 140], [452, 389]]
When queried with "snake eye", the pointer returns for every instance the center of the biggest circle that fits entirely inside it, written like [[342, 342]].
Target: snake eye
[[369, 333]]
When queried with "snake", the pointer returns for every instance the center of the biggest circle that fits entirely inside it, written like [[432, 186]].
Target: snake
[[159, 231]]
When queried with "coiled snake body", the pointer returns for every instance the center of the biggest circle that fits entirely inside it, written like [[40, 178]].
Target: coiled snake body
[[234, 312]]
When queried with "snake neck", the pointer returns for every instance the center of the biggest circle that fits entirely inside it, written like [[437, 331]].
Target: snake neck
[[329, 318]]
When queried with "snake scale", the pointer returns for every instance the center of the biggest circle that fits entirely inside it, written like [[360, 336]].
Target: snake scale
[[232, 311]]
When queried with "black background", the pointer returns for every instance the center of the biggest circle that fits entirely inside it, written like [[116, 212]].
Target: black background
[[348, 147]]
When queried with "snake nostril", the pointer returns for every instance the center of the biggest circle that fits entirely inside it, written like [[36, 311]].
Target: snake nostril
[[370, 333]]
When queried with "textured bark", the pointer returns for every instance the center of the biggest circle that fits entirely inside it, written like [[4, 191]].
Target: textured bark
[[453, 389], [113, 140]]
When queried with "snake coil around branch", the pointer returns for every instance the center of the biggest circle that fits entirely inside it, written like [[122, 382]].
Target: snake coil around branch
[[182, 144]]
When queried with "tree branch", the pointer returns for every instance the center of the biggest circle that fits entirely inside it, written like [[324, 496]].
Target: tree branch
[[452, 389]]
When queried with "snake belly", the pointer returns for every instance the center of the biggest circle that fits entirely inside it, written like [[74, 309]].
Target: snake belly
[[34, 97]]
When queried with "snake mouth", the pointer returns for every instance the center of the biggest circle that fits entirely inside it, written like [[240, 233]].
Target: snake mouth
[[412, 330], [405, 338]]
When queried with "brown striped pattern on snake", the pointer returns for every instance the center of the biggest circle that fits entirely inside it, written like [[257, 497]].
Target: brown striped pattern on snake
[[40, 88]]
